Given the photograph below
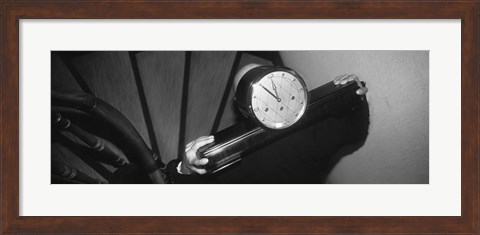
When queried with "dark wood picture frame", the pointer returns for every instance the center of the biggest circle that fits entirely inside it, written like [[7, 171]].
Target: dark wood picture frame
[[12, 11]]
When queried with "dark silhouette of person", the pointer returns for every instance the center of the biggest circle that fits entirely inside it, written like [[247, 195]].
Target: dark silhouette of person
[[305, 156]]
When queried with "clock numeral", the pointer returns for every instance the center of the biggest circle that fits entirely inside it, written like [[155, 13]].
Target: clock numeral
[[293, 97], [266, 109], [281, 108]]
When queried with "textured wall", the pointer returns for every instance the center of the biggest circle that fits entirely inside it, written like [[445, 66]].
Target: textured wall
[[396, 149]]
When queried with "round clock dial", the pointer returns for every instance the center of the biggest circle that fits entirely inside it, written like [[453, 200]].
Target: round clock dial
[[278, 99], [273, 97]]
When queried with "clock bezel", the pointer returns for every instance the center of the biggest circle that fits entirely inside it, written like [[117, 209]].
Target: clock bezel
[[244, 92]]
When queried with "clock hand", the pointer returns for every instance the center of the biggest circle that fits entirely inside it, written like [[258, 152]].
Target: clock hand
[[274, 88], [269, 92]]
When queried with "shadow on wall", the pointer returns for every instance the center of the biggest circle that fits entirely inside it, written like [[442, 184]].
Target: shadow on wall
[[397, 148], [359, 127]]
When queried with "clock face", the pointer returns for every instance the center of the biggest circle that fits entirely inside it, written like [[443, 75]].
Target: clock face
[[279, 99]]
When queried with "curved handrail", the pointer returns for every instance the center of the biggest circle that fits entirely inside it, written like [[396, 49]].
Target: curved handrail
[[133, 143]]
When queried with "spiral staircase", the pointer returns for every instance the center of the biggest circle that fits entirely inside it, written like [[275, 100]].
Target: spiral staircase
[[121, 116]]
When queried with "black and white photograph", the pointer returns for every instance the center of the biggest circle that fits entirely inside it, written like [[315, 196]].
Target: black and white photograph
[[240, 117]]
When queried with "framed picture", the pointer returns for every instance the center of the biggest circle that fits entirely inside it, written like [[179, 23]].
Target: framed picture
[[433, 45]]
